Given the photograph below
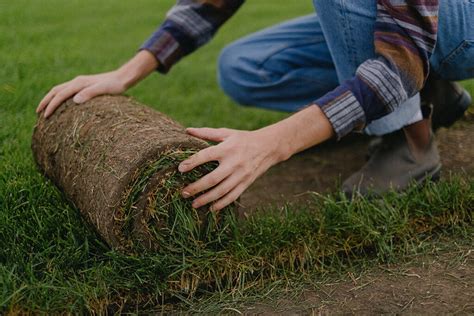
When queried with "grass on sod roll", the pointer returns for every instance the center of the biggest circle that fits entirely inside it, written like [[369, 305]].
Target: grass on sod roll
[[165, 203], [50, 261]]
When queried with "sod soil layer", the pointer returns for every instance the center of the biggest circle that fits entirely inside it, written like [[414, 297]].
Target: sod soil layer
[[116, 161]]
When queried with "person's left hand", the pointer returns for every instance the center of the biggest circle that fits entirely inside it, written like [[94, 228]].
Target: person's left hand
[[242, 155]]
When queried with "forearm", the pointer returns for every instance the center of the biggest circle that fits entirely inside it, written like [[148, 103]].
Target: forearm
[[137, 68], [243, 156], [302, 130]]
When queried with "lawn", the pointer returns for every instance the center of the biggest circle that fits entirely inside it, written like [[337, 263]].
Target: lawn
[[51, 262]]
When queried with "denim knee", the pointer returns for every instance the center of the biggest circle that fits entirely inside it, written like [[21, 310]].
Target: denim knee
[[229, 75]]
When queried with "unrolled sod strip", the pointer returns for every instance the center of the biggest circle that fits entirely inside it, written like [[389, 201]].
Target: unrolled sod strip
[[116, 161]]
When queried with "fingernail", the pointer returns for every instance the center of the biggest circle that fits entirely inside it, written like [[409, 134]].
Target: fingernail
[[196, 205], [185, 194], [78, 99], [182, 167]]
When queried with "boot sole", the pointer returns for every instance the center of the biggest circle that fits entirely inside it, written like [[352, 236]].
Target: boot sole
[[434, 175]]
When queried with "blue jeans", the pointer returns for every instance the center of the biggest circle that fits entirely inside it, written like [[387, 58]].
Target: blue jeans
[[290, 65]]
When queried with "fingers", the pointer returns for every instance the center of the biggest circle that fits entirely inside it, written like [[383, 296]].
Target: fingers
[[211, 134], [208, 181], [203, 156], [88, 93], [60, 97], [216, 193], [60, 93], [48, 97], [231, 197]]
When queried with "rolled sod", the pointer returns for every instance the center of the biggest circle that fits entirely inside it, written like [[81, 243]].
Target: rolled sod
[[116, 161]]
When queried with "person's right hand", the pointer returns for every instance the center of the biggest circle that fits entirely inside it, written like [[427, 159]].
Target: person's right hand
[[83, 88]]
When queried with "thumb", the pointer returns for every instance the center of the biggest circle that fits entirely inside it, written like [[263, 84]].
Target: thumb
[[211, 134], [87, 94]]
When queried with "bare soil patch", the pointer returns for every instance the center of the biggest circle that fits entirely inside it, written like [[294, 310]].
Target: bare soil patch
[[432, 285], [323, 168]]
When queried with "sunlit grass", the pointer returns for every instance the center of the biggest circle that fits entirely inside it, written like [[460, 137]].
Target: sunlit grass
[[51, 261]]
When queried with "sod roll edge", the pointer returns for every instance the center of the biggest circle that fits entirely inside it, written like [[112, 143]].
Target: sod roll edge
[[116, 161]]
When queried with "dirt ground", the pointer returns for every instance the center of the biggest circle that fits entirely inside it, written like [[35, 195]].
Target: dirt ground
[[434, 285], [322, 169], [431, 285]]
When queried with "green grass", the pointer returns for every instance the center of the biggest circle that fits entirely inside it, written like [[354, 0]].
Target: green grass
[[50, 261]]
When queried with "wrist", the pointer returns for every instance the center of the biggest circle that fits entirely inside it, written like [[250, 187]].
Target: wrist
[[125, 78], [302, 130], [279, 148], [136, 69]]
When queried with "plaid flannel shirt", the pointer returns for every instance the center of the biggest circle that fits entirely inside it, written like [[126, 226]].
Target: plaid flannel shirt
[[405, 37]]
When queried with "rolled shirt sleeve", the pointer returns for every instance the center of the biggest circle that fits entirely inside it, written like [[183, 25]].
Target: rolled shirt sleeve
[[188, 25], [405, 38]]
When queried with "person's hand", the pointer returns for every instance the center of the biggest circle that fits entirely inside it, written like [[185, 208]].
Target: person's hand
[[83, 88], [242, 155]]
